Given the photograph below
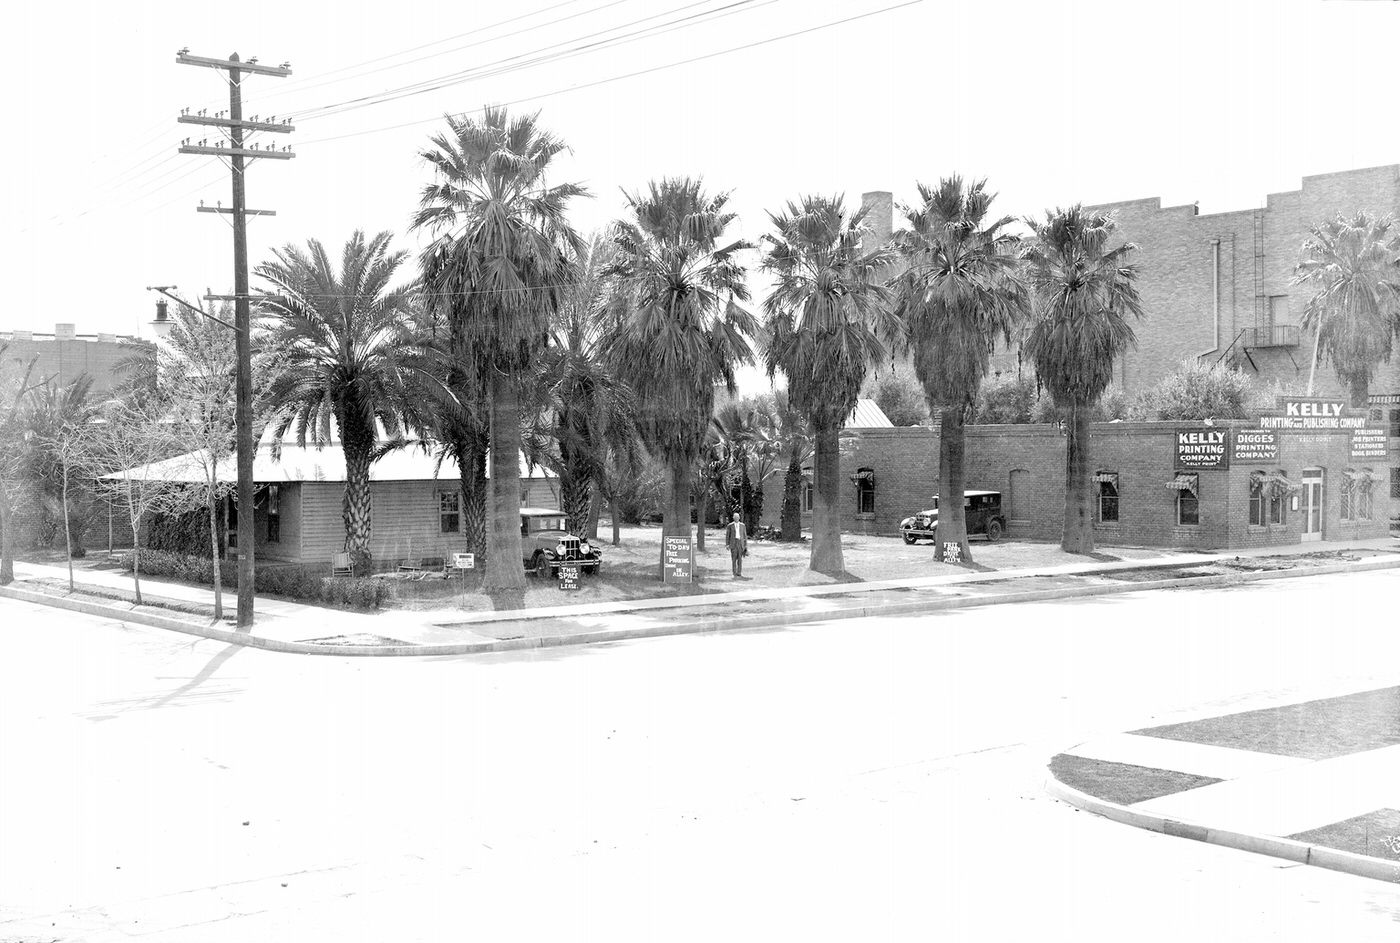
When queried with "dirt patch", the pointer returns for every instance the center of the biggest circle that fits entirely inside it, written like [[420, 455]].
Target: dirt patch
[[1122, 783]]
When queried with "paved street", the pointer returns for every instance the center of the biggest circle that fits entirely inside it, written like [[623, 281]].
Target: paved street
[[871, 779]]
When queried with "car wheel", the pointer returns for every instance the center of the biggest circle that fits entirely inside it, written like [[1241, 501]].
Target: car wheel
[[994, 531], [910, 538], [538, 565]]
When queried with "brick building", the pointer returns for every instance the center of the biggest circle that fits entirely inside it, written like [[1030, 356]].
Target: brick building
[[1216, 287], [1275, 481], [65, 355]]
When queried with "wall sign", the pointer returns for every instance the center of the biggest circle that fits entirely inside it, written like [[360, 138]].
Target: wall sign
[[1201, 448], [677, 559], [1256, 445], [1309, 413], [1368, 443]]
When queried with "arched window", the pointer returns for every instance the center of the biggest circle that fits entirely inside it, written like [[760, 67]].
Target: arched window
[[1365, 494], [1279, 489], [1350, 481], [865, 490], [1257, 502], [1107, 483]]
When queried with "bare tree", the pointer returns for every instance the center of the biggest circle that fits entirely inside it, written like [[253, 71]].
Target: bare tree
[[132, 438]]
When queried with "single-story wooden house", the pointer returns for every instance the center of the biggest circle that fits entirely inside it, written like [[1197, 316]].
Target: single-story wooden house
[[415, 500]]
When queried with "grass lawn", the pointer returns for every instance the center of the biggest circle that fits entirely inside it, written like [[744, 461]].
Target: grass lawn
[[1317, 730], [1122, 783], [1376, 834]]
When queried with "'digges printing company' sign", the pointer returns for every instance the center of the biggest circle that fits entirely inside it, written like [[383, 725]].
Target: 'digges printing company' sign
[[1201, 448]]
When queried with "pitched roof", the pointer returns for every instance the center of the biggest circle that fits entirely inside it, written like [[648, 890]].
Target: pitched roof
[[310, 463], [868, 415]]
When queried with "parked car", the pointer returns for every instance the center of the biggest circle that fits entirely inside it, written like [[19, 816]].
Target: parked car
[[548, 543], [981, 508]]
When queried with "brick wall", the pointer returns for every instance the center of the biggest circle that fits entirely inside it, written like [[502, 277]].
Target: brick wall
[[64, 360]]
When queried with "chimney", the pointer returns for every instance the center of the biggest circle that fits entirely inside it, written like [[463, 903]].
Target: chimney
[[879, 215], [65, 332]]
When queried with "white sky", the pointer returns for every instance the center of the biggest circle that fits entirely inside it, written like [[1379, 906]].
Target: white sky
[[1055, 101]]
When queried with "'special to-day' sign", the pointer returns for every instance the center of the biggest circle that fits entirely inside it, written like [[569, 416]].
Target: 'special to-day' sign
[[677, 559], [1201, 448]]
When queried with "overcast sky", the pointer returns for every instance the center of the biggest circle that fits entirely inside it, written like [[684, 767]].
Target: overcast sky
[[1054, 101]]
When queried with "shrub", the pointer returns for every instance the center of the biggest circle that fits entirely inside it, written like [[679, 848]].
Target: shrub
[[186, 533], [307, 581], [1007, 399]]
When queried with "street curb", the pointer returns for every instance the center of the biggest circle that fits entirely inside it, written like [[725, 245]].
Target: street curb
[[1285, 848], [701, 625]]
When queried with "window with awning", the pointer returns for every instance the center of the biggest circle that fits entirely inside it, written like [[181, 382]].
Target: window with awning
[[1106, 483], [1184, 482], [864, 479]]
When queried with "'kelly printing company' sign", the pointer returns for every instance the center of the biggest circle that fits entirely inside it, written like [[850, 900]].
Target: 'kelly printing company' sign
[[1201, 448], [1256, 445]]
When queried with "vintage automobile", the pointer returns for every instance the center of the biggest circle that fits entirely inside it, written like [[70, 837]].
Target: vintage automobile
[[981, 508], [548, 543]]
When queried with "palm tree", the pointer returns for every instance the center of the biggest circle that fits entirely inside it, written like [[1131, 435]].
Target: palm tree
[[795, 438], [1353, 265], [501, 255], [53, 418], [748, 444], [678, 331], [341, 336], [1083, 294], [585, 412], [960, 291], [827, 321]]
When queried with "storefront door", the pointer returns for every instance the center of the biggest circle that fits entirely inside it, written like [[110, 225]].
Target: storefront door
[[1312, 504]]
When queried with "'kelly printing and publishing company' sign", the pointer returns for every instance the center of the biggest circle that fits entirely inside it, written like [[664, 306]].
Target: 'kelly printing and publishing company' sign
[[1311, 414], [1201, 448], [1256, 445]]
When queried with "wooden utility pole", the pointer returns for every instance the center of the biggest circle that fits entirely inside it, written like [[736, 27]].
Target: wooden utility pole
[[237, 153]]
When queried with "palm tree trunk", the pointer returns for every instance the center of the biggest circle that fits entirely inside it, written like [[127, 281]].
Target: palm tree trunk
[[355, 508], [574, 492], [1360, 389], [702, 502], [67, 530], [1078, 534], [595, 502], [675, 518], [952, 519], [826, 511], [471, 473], [504, 581], [7, 538], [792, 501]]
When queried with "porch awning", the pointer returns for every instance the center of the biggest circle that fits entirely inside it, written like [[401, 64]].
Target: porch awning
[[1183, 483], [1107, 478], [864, 474]]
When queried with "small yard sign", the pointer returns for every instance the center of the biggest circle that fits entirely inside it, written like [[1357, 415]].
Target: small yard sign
[[464, 561], [952, 552], [568, 577], [677, 559]]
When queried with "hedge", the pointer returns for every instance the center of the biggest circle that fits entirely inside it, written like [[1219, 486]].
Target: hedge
[[299, 582]]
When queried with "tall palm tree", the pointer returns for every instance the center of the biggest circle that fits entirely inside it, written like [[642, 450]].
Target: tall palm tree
[[827, 322], [1353, 265], [678, 331], [340, 335], [502, 248], [961, 291], [53, 418], [584, 411], [1084, 292]]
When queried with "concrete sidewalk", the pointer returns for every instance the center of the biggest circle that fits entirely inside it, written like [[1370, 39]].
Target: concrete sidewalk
[[293, 627], [1331, 800]]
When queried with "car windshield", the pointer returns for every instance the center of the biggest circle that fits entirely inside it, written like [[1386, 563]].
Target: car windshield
[[548, 523]]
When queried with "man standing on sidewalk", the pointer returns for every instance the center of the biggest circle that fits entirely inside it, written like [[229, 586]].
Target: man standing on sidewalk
[[737, 540]]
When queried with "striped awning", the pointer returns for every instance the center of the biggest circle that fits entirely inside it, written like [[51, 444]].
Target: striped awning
[[1274, 485], [1107, 478], [1183, 483], [864, 474]]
